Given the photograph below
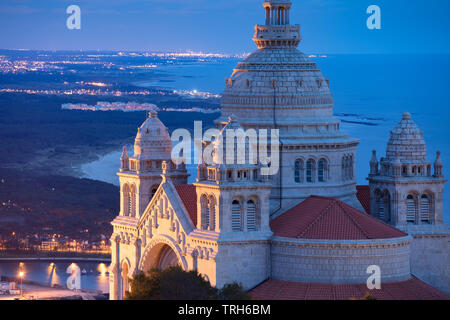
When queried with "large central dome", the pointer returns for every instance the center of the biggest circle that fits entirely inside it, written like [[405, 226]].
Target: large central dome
[[282, 88], [279, 87]]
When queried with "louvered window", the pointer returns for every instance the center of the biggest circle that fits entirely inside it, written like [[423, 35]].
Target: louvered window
[[380, 205], [205, 212], [425, 208], [212, 213], [126, 200], [251, 216], [236, 216], [410, 209]]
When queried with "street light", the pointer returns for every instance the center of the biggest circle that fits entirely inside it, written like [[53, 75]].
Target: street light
[[21, 274]]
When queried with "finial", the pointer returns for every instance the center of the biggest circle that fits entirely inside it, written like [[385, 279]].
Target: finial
[[406, 115], [124, 152], [152, 114], [438, 158], [374, 156]]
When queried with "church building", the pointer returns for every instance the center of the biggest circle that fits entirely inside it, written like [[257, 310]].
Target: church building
[[306, 232]]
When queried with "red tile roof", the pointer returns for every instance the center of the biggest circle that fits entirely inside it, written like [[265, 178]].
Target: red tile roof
[[330, 219], [412, 289], [363, 195], [188, 195]]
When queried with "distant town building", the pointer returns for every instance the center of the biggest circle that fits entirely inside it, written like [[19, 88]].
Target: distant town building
[[49, 245]]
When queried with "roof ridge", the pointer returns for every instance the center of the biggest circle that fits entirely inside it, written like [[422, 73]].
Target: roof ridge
[[319, 217], [375, 219], [354, 221]]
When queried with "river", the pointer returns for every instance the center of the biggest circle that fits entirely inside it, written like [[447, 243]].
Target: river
[[94, 274]]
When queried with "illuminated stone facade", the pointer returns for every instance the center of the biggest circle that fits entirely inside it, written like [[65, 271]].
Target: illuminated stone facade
[[406, 191], [221, 225]]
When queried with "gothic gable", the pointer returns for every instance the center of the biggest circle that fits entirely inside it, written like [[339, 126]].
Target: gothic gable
[[167, 215]]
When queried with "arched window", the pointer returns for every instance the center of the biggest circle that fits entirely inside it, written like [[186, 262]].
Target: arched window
[[425, 208], [212, 212], [387, 206], [410, 209], [251, 216], [350, 167], [322, 170], [310, 170], [345, 167], [126, 200], [132, 203], [299, 171], [205, 212], [236, 216], [379, 200]]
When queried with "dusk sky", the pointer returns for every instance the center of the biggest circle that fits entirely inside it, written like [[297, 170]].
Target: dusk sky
[[328, 26]]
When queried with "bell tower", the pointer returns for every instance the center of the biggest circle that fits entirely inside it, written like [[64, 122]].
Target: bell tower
[[233, 205], [405, 193], [140, 175]]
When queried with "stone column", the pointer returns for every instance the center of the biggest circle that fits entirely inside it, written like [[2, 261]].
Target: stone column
[[114, 272], [278, 16]]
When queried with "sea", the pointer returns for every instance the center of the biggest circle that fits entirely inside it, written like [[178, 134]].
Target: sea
[[371, 92]]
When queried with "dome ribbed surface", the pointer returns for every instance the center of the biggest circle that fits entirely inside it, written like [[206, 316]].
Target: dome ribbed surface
[[406, 141], [152, 140]]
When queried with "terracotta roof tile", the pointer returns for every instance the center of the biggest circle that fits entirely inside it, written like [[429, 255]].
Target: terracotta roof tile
[[188, 195], [363, 195], [330, 219], [412, 289]]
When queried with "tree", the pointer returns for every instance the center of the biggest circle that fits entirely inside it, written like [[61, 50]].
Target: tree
[[174, 283], [233, 291], [170, 284]]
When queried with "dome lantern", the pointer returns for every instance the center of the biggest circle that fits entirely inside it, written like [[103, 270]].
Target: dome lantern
[[277, 32]]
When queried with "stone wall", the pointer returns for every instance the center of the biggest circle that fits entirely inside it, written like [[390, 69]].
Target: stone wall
[[339, 261], [246, 262], [430, 259]]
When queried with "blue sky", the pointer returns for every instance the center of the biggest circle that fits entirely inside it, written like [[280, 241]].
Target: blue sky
[[328, 26]]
